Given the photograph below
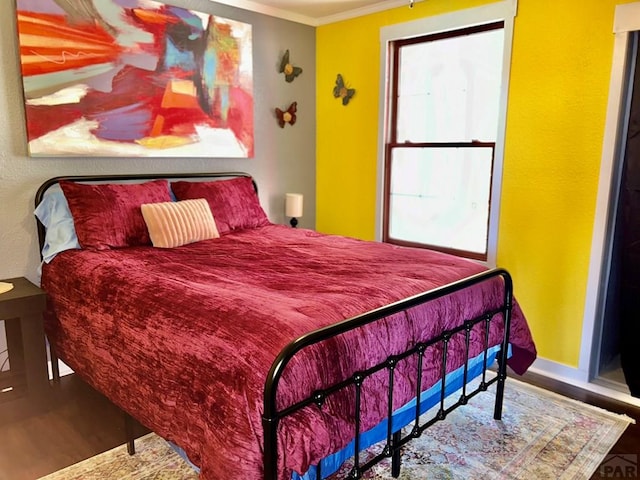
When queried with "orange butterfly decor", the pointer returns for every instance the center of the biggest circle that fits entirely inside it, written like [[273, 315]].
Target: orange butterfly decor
[[288, 115]]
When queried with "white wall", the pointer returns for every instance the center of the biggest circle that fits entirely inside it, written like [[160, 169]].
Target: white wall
[[284, 158]]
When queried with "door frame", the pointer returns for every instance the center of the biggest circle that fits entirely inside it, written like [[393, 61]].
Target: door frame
[[626, 21]]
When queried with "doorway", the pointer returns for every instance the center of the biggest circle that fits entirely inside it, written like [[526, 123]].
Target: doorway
[[617, 366]]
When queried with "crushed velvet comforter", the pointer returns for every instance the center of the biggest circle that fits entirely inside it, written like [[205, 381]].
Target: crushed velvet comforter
[[183, 338]]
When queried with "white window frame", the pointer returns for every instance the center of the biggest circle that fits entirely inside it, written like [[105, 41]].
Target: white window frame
[[500, 11]]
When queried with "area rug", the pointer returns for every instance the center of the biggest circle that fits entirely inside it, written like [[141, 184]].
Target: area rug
[[541, 436]]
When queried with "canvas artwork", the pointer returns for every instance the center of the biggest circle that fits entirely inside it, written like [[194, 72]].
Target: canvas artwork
[[134, 78]]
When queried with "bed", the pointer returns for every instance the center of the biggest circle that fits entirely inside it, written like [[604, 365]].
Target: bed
[[260, 350]]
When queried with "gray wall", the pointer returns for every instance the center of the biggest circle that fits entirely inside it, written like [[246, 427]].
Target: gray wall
[[284, 158]]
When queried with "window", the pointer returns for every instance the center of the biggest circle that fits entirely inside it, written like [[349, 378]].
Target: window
[[443, 131]]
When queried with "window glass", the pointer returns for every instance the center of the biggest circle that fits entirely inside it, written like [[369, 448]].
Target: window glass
[[449, 89], [440, 196]]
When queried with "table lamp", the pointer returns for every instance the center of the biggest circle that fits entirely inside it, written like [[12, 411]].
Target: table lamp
[[293, 207]]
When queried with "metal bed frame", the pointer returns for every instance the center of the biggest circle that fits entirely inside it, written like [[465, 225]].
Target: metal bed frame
[[395, 440]]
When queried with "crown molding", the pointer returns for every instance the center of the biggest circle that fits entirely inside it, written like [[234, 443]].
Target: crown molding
[[359, 12], [313, 21], [267, 10]]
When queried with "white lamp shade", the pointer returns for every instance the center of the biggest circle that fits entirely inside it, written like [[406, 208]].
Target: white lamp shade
[[293, 205]]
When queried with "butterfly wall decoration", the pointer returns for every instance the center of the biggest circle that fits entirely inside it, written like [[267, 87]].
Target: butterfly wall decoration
[[342, 91], [288, 115], [290, 72]]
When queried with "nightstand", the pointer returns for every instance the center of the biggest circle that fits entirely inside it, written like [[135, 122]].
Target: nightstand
[[21, 309]]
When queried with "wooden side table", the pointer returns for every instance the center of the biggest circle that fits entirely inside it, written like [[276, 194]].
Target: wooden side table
[[21, 309]]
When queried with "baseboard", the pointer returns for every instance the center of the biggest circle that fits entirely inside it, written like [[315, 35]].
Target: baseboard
[[578, 378], [63, 368], [612, 384]]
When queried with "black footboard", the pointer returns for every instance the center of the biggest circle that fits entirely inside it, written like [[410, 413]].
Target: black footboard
[[394, 440]]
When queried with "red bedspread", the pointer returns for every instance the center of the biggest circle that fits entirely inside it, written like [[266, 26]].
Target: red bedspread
[[183, 338]]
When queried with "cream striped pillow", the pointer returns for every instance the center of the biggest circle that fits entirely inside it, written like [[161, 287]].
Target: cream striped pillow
[[172, 224]]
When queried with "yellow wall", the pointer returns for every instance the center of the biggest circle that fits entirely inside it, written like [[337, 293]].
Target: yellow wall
[[561, 63]]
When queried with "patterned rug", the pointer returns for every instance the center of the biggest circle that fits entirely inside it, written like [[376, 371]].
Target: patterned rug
[[541, 436]]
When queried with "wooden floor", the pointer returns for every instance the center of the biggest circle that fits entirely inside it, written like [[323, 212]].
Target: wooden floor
[[75, 423]]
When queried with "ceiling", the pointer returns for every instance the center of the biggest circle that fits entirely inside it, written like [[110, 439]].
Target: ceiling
[[316, 12]]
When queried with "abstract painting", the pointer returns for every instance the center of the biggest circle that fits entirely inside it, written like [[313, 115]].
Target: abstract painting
[[134, 78]]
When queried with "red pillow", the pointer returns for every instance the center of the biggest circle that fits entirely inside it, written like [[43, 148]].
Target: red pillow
[[108, 215], [234, 202]]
